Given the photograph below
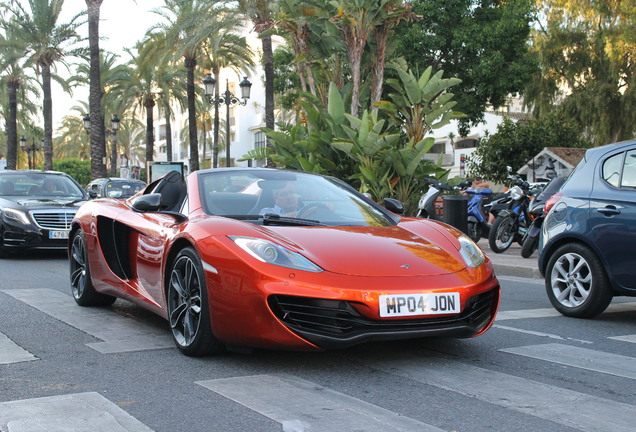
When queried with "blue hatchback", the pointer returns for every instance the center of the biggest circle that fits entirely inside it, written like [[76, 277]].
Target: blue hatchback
[[587, 251]]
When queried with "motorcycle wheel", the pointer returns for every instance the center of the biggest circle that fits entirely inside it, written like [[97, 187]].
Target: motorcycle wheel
[[474, 231], [529, 246], [502, 234]]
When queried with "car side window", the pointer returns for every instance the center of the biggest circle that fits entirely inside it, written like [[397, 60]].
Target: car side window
[[612, 169], [628, 180]]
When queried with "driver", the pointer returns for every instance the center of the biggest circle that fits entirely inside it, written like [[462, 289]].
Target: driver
[[285, 201]]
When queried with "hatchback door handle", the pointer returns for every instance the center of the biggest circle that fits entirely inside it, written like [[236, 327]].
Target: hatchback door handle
[[609, 211]]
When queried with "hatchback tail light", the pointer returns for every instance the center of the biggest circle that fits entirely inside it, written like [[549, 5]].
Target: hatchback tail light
[[551, 202]]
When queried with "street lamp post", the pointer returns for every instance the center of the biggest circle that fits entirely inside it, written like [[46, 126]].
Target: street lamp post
[[30, 151], [229, 100], [114, 126]]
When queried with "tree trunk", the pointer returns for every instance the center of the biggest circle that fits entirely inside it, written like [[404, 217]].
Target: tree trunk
[[150, 135], [268, 64], [12, 126], [190, 63], [97, 135], [216, 127], [166, 110], [47, 110], [377, 64]]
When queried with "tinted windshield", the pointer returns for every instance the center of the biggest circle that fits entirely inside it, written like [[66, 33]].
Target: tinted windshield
[[263, 193], [39, 185], [123, 189]]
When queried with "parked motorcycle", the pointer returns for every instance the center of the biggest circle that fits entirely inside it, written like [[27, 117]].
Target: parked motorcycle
[[478, 225], [531, 238], [512, 223], [426, 206]]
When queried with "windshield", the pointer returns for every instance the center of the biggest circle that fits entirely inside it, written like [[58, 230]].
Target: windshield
[[123, 189], [280, 197], [40, 185]]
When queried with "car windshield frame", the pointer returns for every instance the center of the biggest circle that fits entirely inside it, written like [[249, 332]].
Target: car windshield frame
[[254, 195], [40, 185]]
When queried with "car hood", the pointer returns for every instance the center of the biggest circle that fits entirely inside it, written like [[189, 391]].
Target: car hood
[[48, 202], [375, 251]]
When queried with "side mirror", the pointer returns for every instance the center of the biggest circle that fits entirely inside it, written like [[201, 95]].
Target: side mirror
[[393, 205], [147, 203], [92, 194]]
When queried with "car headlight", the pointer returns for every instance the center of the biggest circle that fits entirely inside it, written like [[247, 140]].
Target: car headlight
[[516, 193], [271, 253], [16, 216], [470, 252]]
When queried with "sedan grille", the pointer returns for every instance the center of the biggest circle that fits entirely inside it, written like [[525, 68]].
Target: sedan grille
[[336, 323], [53, 219]]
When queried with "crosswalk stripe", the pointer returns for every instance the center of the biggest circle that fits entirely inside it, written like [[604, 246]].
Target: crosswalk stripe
[[562, 406], [302, 405], [71, 412], [626, 338], [119, 333], [582, 358], [550, 312], [10, 352]]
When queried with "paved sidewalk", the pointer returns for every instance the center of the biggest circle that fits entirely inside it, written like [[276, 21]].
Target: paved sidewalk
[[510, 263]]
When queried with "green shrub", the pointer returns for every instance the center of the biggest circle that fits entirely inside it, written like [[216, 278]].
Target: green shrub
[[80, 170]]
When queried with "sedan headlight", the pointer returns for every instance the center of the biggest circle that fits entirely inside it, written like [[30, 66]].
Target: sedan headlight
[[16, 216], [470, 252], [271, 253]]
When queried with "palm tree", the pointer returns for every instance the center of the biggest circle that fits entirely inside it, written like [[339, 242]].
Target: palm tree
[[98, 140], [225, 49], [48, 43], [192, 22], [260, 13]]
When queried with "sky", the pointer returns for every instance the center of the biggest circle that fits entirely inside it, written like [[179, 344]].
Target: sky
[[122, 24]]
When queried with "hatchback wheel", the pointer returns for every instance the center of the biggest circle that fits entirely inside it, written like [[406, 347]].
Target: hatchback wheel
[[188, 307], [81, 285], [576, 282]]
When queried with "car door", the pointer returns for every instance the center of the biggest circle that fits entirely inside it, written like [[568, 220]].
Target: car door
[[612, 222]]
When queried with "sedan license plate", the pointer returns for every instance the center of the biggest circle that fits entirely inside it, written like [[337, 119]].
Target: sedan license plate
[[58, 234], [395, 305]]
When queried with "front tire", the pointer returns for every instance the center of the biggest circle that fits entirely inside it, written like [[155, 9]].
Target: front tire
[[529, 246], [81, 284], [576, 282], [502, 234], [474, 231], [188, 306]]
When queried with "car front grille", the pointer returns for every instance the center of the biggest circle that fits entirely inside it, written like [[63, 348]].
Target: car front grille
[[54, 219], [336, 323]]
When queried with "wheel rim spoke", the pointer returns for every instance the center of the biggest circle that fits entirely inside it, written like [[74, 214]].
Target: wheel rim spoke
[[178, 284], [185, 301], [176, 316]]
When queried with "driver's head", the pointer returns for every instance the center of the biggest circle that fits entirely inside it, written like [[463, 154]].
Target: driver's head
[[286, 197]]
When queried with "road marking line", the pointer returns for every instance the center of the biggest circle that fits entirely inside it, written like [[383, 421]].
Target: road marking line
[[77, 412], [550, 312], [626, 338], [562, 406], [536, 333], [10, 352], [582, 358], [301, 405], [119, 333]]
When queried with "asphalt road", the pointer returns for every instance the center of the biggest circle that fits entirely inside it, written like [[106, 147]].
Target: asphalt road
[[63, 368]]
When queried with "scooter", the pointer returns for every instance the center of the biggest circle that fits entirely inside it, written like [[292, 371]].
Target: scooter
[[531, 238], [478, 225], [426, 205]]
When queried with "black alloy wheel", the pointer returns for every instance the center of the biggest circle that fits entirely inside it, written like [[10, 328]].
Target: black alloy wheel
[[81, 284], [188, 307], [576, 282]]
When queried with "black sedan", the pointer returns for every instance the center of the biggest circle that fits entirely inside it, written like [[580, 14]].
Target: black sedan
[[36, 209]]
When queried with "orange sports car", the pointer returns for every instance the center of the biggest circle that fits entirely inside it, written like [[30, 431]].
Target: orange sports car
[[279, 259]]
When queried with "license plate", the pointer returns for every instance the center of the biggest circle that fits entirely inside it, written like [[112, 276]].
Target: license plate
[[395, 305], [58, 234]]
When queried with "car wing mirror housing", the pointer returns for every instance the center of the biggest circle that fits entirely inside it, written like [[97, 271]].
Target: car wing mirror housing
[[92, 194], [393, 205], [147, 203]]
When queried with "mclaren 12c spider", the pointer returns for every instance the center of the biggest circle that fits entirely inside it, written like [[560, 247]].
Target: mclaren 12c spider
[[267, 258]]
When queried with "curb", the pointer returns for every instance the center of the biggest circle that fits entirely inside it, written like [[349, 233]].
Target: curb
[[522, 272]]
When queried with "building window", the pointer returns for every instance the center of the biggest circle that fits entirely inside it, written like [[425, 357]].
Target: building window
[[467, 143], [438, 148], [259, 140]]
